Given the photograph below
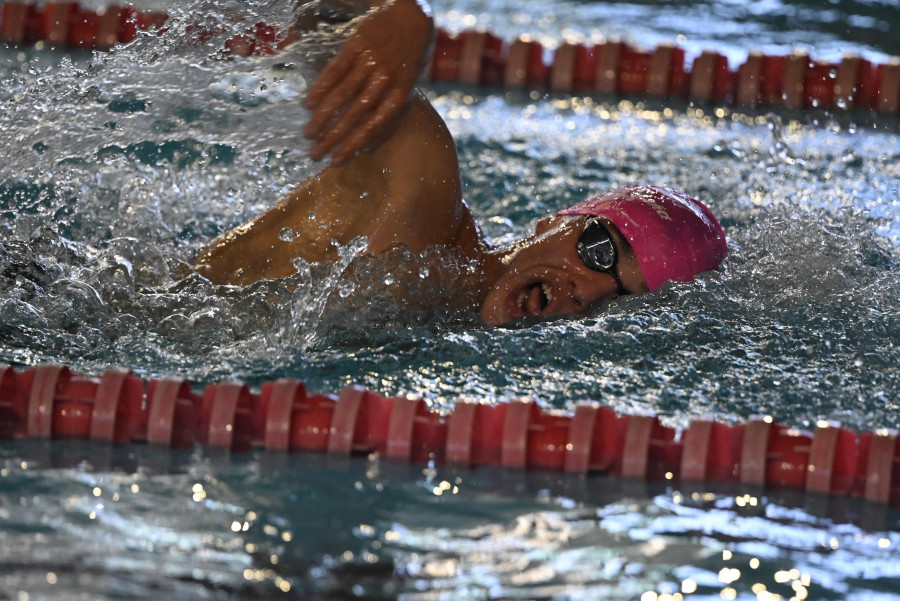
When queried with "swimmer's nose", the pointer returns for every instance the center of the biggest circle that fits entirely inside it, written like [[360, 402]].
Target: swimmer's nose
[[591, 291]]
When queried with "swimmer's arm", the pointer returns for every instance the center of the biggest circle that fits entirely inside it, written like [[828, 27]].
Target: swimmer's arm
[[359, 95], [408, 192]]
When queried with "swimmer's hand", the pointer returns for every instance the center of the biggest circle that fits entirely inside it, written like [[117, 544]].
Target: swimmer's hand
[[360, 92]]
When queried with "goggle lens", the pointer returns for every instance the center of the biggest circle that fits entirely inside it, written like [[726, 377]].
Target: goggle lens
[[597, 251], [596, 248]]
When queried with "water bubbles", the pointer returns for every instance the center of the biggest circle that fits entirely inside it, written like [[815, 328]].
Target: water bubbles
[[345, 288], [207, 318], [249, 89], [851, 158], [160, 86], [286, 235], [304, 269], [779, 151], [356, 246], [389, 280], [83, 297]]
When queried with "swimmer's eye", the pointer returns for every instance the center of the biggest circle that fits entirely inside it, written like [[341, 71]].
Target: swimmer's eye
[[597, 251]]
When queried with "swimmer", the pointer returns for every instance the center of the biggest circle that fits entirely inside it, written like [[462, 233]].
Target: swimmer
[[407, 191]]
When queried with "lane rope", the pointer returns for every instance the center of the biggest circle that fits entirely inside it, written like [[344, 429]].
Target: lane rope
[[52, 402], [479, 58]]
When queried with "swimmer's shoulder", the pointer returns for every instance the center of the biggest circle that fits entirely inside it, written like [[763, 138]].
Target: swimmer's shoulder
[[415, 176]]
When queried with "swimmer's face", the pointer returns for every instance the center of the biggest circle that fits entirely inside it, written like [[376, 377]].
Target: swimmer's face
[[544, 274]]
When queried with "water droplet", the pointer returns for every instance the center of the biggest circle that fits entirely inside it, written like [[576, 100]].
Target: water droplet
[[389, 279], [311, 216], [851, 158], [286, 235], [424, 272], [345, 288], [302, 266]]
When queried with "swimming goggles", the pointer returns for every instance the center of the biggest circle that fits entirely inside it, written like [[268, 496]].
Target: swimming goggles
[[597, 251]]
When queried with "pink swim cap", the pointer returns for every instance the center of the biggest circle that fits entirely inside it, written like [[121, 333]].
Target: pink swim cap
[[674, 236]]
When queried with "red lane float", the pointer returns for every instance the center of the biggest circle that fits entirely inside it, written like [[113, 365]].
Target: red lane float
[[170, 413], [69, 25], [524, 67], [57, 404], [52, 402], [887, 87], [480, 58]]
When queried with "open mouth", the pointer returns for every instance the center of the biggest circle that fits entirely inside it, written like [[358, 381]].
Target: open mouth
[[533, 299]]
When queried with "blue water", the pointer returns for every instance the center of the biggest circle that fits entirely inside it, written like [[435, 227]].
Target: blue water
[[800, 323]]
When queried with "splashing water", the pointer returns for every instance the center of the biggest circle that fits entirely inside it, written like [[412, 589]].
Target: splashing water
[[183, 85], [116, 172]]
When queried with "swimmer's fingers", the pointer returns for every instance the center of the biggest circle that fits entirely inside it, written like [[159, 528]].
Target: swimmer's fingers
[[353, 116], [330, 77], [370, 132], [329, 107], [382, 58]]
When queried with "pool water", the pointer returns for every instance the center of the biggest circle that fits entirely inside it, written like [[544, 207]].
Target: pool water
[[117, 170]]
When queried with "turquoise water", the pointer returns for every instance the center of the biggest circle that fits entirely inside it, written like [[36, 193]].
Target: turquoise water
[[110, 196]]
